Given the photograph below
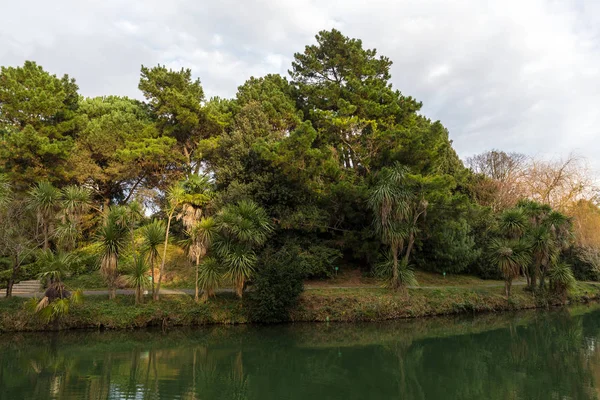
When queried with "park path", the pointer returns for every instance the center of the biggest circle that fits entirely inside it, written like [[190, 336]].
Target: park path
[[164, 291]]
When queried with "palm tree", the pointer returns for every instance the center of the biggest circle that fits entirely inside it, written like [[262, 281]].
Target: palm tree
[[189, 194], [55, 266], [129, 216], [544, 252], [57, 299], [152, 237], [242, 228], [514, 222], [201, 236], [510, 257], [45, 200], [112, 237], [405, 276], [208, 277], [137, 278], [390, 202], [175, 198], [561, 278], [76, 200]]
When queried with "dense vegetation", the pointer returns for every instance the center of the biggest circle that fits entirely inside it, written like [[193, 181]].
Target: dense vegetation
[[289, 180]]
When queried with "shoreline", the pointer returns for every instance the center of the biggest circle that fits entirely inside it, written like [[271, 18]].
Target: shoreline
[[321, 305]]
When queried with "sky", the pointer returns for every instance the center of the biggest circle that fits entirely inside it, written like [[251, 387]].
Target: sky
[[515, 75]]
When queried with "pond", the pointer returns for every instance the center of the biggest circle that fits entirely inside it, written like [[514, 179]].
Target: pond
[[527, 355]]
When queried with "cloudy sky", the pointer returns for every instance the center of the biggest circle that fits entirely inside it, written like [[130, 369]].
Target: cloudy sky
[[518, 75]]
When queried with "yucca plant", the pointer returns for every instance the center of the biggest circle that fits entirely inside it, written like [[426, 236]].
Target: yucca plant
[[544, 251], [45, 200], [242, 228], [402, 279], [391, 205], [75, 202], [55, 266], [112, 238], [200, 237], [514, 222], [137, 278], [57, 299], [54, 310], [153, 235], [209, 277], [561, 278], [510, 257]]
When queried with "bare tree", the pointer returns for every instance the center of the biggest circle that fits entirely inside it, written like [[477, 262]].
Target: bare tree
[[504, 173], [561, 183], [17, 240]]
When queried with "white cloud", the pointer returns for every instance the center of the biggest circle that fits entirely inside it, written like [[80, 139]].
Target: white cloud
[[518, 75]]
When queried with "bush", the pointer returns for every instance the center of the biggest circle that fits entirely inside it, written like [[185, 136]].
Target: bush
[[314, 260], [277, 286], [585, 263]]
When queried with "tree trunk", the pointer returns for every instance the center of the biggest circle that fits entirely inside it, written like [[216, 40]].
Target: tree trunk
[[395, 283], [152, 271], [164, 258], [533, 281], [239, 287], [411, 243], [9, 287], [13, 277], [542, 278], [196, 297]]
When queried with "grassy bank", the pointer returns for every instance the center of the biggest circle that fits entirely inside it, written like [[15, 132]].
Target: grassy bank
[[323, 304]]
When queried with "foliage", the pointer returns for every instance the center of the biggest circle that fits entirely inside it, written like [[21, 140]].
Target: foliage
[[136, 276], [405, 275], [277, 286], [112, 237], [332, 164], [243, 228], [210, 276]]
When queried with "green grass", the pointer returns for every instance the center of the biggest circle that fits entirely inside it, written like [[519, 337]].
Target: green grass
[[90, 281], [319, 304]]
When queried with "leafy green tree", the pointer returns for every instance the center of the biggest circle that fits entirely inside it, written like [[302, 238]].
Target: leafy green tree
[[37, 124], [278, 285], [243, 227], [119, 150], [175, 101]]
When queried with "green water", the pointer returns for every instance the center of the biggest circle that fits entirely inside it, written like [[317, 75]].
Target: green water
[[533, 355]]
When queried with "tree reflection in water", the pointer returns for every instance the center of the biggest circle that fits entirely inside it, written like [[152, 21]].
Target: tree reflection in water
[[533, 355]]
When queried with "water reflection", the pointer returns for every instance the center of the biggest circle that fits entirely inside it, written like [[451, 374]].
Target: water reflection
[[534, 355]]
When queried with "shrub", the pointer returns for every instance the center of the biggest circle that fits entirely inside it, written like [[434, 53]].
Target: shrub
[[585, 263], [277, 286]]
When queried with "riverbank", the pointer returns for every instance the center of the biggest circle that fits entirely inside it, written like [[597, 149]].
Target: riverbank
[[317, 305]]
